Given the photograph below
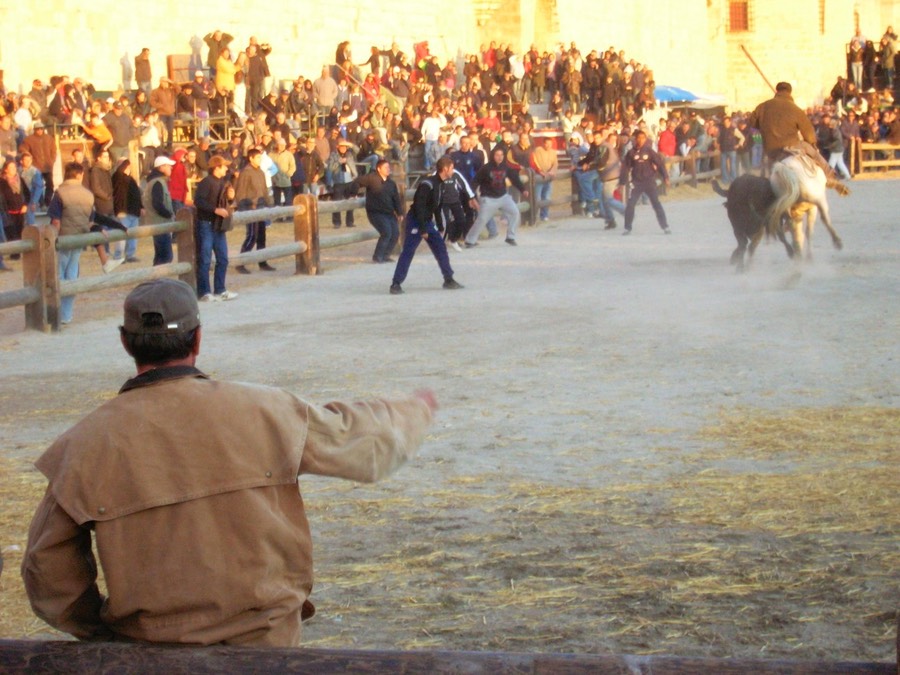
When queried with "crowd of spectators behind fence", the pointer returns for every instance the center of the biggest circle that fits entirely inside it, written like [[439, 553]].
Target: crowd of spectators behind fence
[[390, 103]]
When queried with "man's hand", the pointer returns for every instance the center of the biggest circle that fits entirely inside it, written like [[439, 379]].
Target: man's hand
[[525, 194], [223, 212], [428, 397]]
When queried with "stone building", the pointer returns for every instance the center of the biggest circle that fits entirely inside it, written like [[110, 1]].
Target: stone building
[[694, 44]]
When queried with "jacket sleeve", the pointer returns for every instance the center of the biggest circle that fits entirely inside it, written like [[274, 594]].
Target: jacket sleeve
[[364, 441], [98, 187], [60, 573]]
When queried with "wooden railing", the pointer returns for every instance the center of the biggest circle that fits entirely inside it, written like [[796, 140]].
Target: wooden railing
[[20, 656]]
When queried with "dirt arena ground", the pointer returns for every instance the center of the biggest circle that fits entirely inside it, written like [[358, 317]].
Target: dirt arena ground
[[638, 451]]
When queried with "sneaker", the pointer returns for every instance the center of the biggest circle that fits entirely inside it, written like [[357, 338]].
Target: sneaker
[[455, 246], [111, 264], [132, 259], [243, 270], [511, 242], [207, 297], [396, 290], [266, 267], [470, 245], [494, 235], [626, 233], [452, 284], [226, 295], [610, 225], [667, 230]]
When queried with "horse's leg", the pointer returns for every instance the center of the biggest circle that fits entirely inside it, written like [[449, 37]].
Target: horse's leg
[[797, 234], [810, 227], [826, 220]]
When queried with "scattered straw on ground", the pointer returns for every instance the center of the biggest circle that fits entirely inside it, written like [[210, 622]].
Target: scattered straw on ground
[[779, 537]]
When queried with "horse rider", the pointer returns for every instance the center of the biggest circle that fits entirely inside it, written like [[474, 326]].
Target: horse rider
[[779, 120]]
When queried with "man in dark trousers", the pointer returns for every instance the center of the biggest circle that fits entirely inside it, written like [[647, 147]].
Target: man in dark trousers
[[420, 224], [212, 199], [643, 164], [383, 209], [158, 207], [252, 193]]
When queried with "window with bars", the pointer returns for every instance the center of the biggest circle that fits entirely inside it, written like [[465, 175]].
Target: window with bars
[[738, 16]]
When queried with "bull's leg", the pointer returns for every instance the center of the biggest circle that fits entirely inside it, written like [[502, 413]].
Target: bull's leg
[[754, 242], [737, 257]]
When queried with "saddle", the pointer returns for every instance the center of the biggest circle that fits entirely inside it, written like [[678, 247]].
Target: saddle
[[802, 153]]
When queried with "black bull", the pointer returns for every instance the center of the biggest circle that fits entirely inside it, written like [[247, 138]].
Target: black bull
[[748, 200]]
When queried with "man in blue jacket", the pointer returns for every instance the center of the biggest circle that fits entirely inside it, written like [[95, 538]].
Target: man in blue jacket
[[643, 164]]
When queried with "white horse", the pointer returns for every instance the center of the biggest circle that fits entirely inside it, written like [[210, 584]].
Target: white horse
[[800, 188]]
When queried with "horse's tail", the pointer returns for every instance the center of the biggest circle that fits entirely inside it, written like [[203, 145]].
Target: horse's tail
[[787, 192]]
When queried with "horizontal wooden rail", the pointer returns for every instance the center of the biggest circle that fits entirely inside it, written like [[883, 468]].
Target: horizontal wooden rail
[[269, 253], [868, 153], [19, 297], [20, 656], [123, 278], [69, 242], [20, 246]]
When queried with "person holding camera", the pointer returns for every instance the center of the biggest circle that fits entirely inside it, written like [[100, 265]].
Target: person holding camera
[[213, 197]]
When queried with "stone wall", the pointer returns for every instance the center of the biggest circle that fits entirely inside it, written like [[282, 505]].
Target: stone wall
[[687, 44]]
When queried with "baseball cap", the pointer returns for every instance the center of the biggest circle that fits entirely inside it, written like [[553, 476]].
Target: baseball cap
[[198, 73], [162, 160], [172, 300]]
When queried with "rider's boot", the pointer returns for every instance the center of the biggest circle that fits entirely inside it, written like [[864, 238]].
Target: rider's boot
[[831, 179], [837, 186]]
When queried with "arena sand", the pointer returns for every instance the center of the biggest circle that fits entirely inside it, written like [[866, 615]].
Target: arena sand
[[638, 450]]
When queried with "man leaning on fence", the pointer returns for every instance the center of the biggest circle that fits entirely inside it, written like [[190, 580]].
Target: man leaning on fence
[[190, 488], [158, 207], [70, 212], [212, 199]]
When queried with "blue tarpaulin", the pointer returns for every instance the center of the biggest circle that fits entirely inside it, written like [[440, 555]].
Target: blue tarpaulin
[[667, 94]]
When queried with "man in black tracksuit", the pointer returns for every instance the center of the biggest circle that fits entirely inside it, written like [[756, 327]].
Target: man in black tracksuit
[[643, 164], [420, 225], [382, 208], [457, 202]]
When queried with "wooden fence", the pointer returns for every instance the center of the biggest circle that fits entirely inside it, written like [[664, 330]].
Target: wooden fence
[[21, 656]]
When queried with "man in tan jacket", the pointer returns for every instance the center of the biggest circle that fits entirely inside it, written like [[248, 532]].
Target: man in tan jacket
[[190, 486], [784, 125]]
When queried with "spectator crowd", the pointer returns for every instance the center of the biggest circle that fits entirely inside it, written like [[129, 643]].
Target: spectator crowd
[[318, 135]]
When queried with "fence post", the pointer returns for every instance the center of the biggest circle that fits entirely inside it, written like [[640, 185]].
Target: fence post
[[40, 269], [306, 229], [187, 247]]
